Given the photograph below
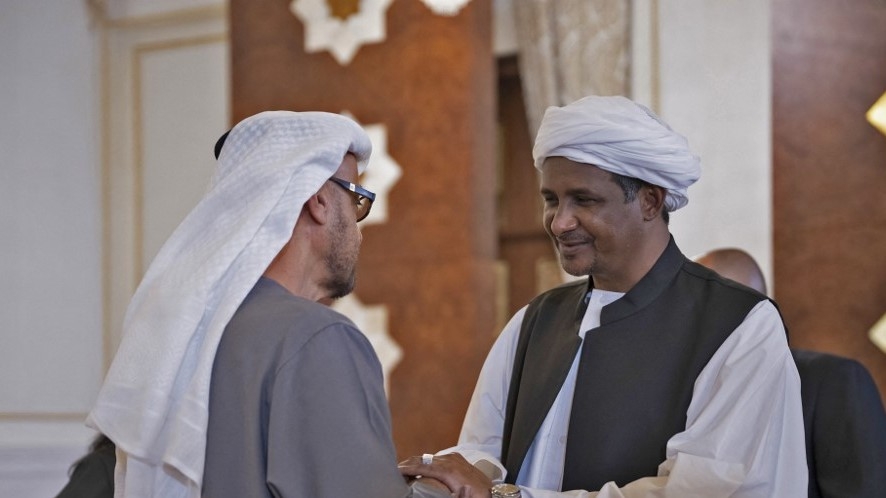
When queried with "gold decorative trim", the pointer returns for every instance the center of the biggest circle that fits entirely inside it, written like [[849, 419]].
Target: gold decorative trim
[[876, 115]]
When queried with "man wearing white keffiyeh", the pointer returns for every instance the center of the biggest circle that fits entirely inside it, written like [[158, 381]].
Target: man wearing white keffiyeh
[[651, 377], [229, 363]]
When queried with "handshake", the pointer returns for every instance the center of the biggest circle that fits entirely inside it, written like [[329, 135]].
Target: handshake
[[454, 476]]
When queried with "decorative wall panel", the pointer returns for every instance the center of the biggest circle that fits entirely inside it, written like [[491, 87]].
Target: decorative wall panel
[[124, 137], [154, 172]]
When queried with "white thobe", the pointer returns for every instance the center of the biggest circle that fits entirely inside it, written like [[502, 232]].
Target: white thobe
[[744, 428]]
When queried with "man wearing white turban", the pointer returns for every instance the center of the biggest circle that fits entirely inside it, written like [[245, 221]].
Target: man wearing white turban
[[232, 379], [653, 376]]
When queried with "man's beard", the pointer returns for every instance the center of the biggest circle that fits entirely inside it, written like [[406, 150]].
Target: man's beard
[[341, 261], [575, 269]]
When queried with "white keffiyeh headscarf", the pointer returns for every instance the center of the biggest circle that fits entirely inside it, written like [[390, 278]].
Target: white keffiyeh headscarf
[[154, 402], [623, 137]]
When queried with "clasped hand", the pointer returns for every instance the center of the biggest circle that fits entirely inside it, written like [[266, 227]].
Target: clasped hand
[[451, 472]]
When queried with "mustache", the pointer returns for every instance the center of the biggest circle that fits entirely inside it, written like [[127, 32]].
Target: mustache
[[573, 238]]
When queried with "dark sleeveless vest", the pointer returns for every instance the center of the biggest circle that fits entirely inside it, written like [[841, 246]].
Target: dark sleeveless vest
[[636, 372]]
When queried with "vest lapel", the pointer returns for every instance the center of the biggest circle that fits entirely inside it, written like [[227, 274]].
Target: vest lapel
[[547, 356]]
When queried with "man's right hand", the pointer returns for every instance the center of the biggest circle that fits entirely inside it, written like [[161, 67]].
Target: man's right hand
[[463, 479]]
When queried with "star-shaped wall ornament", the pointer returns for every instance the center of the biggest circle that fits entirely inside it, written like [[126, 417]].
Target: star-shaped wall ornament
[[445, 7], [877, 114], [342, 37], [381, 175], [878, 333], [373, 322]]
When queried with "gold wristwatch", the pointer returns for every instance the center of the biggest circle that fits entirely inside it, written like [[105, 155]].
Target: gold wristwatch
[[505, 491]]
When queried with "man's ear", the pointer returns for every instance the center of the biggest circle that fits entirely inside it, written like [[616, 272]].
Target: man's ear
[[652, 199], [317, 207]]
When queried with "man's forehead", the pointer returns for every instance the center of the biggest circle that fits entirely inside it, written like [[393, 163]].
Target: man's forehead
[[348, 167], [556, 169], [560, 161]]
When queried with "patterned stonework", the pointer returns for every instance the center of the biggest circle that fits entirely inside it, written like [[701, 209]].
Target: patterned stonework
[[342, 37]]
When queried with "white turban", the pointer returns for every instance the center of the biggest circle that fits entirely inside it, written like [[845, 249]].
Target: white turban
[[622, 137], [154, 402]]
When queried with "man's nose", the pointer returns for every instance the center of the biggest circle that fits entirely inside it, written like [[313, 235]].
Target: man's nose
[[563, 221]]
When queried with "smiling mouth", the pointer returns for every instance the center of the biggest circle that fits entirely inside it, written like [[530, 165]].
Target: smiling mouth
[[571, 247]]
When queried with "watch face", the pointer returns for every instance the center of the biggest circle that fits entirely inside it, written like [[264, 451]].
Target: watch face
[[505, 491]]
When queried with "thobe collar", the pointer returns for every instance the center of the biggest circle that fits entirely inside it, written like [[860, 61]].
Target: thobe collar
[[648, 288]]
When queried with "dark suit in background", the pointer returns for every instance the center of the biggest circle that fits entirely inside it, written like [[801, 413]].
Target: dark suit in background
[[845, 427]]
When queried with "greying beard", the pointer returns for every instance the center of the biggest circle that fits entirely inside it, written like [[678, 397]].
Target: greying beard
[[342, 271], [340, 282]]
